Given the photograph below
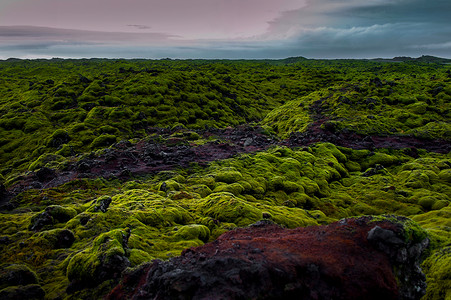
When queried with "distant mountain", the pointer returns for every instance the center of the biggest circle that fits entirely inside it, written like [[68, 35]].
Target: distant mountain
[[423, 58]]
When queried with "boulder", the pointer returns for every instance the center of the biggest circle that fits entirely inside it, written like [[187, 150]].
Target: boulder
[[364, 258]]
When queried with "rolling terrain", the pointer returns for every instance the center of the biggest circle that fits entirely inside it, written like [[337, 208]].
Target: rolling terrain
[[107, 165]]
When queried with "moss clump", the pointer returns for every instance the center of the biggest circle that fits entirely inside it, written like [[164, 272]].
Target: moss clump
[[438, 267], [445, 176], [101, 204], [280, 183], [382, 159], [192, 232], [52, 214], [46, 160], [201, 189], [228, 176], [138, 257], [59, 137], [234, 188], [103, 140], [225, 207], [169, 185], [106, 259], [30, 291], [291, 117], [15, 275]]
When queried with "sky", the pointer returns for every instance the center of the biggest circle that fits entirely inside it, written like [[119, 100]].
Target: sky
[[227, 29]]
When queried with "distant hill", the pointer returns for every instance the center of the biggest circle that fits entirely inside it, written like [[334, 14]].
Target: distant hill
[[423, 58]]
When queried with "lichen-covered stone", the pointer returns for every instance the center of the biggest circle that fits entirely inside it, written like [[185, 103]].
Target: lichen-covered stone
[[51, 215]]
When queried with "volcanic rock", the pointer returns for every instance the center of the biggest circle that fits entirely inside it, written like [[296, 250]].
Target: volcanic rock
[[65, 239], [364, 258]]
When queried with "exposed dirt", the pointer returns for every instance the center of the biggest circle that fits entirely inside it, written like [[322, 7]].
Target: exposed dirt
[[357, 141], [350, 259], [165, 152], [323, 131]]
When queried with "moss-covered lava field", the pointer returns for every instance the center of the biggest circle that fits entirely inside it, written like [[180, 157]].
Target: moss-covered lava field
[[109, 164]]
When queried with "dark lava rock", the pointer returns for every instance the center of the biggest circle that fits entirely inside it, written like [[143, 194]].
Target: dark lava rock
[[376, 81], [154, 155], [51, 215], [83, 79], [40, 220], [344, 99], [103, 203], [406, 258], [18, 282], [4, 196], [350, 259], [110, 267], [45, 174], [64, 239], [4, 240], [15, 274], [378, 169], [29, 292]]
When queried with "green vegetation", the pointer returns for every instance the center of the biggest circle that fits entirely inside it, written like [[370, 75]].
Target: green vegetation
[[73, 239]]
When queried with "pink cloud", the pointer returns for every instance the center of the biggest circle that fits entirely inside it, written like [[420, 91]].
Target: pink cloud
[[222, 19]]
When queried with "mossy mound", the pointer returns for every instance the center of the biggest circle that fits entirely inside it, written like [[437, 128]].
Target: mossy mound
[[104, 260], [375, 109]]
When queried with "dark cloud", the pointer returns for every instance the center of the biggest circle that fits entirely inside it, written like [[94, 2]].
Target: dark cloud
[[350, 28]]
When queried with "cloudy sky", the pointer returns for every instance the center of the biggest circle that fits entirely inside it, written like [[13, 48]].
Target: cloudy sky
[[224, 28]]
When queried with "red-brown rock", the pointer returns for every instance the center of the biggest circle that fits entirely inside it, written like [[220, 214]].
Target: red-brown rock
[[350, 259]]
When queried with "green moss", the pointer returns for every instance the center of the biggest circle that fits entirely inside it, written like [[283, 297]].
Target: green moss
[[427, 202], [46, 160], [51, 215], [438, 222], [294, 217], [290, 117], [440, 204], [150, 208], [201, 189], [169, 185], [418, 108], [138, 257], [59, 137], [445, 176], [49, 113], [192, 232], [16, 274], [234, 188], [438, 267], [415, 179], [352, 166], [104, 140], [310, 186], [225, 207], [21, 292], [95, 264], [382, 159], [228, 176], [280, 183]]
